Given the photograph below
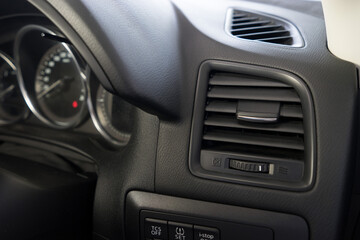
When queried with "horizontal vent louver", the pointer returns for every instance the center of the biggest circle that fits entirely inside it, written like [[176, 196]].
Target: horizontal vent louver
[[223, 132], [254, 26]]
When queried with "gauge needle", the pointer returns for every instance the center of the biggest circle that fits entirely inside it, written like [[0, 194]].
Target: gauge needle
[[6, 91], [52, 87]]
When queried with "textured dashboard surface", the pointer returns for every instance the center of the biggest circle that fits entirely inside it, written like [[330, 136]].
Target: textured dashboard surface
[[197, 35], [324, 74]]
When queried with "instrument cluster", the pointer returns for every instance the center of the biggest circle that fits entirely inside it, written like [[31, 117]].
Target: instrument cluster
[[48, 79]]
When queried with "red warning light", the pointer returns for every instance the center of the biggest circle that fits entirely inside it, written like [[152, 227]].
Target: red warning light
[[75, 104]]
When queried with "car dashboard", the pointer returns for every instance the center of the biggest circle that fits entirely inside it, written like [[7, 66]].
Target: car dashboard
[[175, 120]]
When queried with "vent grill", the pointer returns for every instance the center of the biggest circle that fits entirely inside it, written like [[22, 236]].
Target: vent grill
[[253, 125], [260, 27], [223, 132]]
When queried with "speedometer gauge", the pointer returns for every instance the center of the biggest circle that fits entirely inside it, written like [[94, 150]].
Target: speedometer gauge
[[59, 88], [52, 77]]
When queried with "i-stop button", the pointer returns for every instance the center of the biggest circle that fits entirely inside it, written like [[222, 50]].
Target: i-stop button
[[206, 233]]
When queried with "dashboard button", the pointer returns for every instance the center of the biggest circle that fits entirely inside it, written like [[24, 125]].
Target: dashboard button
[[180, 231], [156, 229], [206, 233]]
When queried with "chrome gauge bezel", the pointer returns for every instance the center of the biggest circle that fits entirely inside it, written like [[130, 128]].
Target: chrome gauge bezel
[[27, 77], [97, 123], [7, 59], [83, 70]]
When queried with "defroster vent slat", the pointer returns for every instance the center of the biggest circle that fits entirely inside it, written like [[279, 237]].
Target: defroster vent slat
[[264, 28]]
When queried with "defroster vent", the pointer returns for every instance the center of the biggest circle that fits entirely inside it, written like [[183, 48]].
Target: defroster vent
[[262, 27], [255, 126]]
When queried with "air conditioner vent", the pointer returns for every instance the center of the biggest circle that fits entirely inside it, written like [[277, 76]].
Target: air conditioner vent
[[261, 27], [252, 125], [222, 130]]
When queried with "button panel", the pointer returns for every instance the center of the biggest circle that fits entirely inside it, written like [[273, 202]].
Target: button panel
[[156, 229]]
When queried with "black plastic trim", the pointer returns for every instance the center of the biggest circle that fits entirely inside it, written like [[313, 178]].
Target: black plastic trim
[[224, 217]]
